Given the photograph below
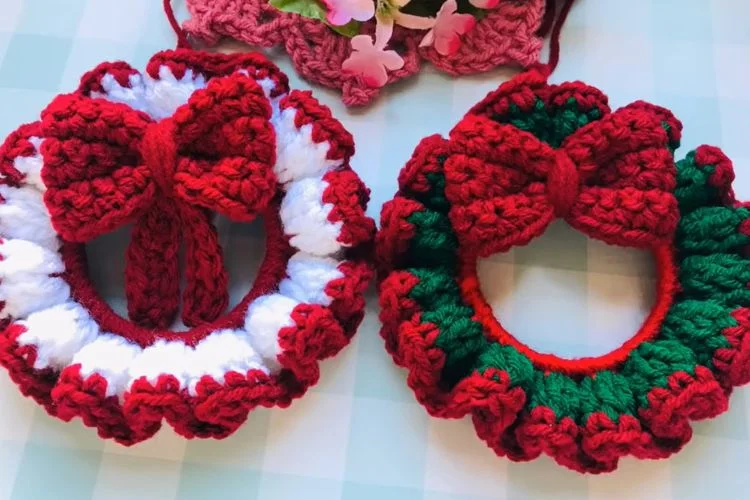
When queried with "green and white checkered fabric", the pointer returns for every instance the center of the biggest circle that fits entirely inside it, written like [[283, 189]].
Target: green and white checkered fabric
[[360, 434]]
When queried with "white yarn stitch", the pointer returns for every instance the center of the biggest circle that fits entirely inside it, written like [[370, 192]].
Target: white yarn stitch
[[167, 93], [159, 98], [266, 316], [64, 332], [25, 282], [305, 218], [31, 166], [162, 358], [298, 155], [24, 216], [58, 333], [269, 86], [110, 356], [308, 276], [222, 352]]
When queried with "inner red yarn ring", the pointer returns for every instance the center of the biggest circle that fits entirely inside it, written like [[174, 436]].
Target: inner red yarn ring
[[666, 286], [271, 272]]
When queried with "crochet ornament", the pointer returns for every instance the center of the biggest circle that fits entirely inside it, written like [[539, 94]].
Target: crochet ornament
[[195, 135], [359, 46], [528, 154]]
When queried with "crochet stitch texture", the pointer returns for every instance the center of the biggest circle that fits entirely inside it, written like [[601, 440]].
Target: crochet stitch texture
[[506, 35], [527, 154], [195, 135]]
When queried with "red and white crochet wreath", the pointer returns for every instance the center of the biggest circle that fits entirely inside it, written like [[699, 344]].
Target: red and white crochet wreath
[[195, 135]]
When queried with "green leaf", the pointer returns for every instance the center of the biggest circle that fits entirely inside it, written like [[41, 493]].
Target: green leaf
[[306, 8], [349, 30]]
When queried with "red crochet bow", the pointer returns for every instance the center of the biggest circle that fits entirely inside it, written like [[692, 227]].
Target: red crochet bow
[[612, 179], [106, 164]]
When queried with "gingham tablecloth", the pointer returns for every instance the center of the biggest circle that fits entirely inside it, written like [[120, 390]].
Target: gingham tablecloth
[[359, 434]]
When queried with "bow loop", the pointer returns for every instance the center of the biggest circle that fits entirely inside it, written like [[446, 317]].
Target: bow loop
[[95, 176], [629, 176], [496, 179], [226, 148]]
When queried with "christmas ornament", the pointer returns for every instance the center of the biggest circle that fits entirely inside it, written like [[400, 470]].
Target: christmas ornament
[[529, 153], [195, 135]]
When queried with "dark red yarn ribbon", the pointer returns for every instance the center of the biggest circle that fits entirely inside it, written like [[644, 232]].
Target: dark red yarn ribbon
[[553, 21], [182, 39], [612, 179], [106, 165]]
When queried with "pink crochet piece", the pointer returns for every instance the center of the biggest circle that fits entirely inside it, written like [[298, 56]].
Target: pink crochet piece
[[506, 36]]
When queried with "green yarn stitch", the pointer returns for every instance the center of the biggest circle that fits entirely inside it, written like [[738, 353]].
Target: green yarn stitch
[[434, 244], [608, 392], [557, 392], [691, 333], [461, 338], [698, 325], [436, 288], [551, 125], [519, 367], [719, 277], [434, 198], [710, 230], [693, 189], [651, 364]]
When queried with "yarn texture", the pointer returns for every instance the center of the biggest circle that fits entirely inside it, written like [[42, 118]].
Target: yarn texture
[[195, 135], [527, 154], [507, 35]]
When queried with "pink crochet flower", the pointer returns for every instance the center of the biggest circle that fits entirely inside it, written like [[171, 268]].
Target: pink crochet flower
[[449, 26], [341, 12], [506, 35]]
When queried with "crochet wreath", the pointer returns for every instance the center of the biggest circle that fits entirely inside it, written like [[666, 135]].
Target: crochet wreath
[[527, 154], [506, 33], [195, 135]]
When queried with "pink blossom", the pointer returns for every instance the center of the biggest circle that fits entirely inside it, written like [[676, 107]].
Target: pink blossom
[[449, 26], [341, 12], [371, 62]]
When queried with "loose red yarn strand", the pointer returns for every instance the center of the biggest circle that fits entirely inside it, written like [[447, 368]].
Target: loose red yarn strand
[[556, 25], [549, 18], [554, 42], [182, 40]]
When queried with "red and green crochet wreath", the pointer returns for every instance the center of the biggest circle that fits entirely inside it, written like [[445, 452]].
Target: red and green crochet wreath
[[527, 154], [166, 150]]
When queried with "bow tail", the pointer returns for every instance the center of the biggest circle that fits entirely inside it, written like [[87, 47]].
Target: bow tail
[[626, 217], [206, 293], [152, 272]]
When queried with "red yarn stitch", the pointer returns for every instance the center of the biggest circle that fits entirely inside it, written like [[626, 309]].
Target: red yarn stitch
[[484, 160], [506, 35], [216, 407], [498, 179], [82, 138], [271, 271], [666, 289], [524, 436]]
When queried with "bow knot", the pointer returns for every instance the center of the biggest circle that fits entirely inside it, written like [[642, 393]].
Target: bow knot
[[106, 165], [563, 183], [159, 152]]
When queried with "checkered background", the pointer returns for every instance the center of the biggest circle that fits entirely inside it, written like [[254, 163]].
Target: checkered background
[[359, 434]]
